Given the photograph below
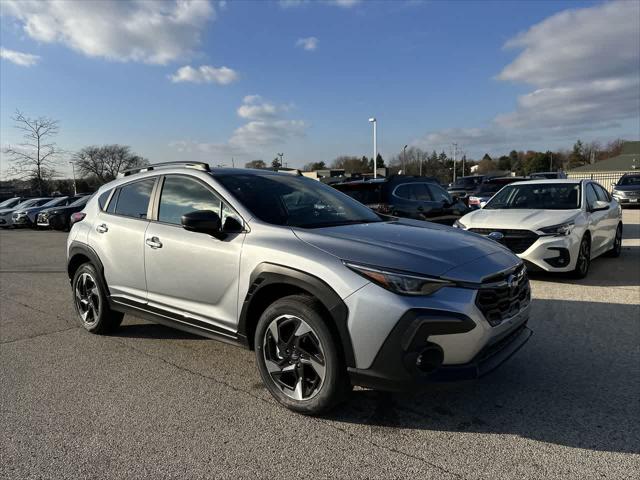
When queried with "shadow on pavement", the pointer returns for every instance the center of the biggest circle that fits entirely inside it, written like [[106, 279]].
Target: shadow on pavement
[[576, 383]]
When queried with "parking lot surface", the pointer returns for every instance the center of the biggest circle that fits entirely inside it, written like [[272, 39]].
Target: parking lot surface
[[152, 401]]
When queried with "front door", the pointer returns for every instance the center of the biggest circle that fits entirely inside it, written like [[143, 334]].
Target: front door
[[189, 274]]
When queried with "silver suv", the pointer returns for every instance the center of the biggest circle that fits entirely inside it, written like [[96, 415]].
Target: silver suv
[[328, 293]]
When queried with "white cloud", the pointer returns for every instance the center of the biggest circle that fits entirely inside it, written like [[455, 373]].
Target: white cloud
[[19, 58], [265, 127], [141, 31], [585, 67], [308, 43], [205, 74], [336, 3]]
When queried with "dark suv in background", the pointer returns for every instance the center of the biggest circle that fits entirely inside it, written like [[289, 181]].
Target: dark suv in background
[[488, 189], [420, 198], [464, 186]]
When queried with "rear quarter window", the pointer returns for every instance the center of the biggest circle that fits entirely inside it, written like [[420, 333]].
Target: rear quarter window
[[102, 199]]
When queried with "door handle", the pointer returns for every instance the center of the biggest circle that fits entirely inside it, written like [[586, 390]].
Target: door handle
[[154, 242], [102, 228]]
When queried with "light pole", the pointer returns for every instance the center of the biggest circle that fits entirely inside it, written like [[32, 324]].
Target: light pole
[[73, 169], [375, 146], [404, 159], [455, 151]]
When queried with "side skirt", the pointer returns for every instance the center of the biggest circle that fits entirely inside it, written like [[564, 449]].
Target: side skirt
[[179, 322]]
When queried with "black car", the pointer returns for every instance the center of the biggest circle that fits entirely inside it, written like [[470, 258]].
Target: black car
[[59, 218], [488, 189], [627, 190], [420, 198], [464, 186]]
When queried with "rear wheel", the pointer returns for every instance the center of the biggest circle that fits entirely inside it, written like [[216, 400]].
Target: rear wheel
[[90, 301], [616, 250], [298, 357], [584, 259]]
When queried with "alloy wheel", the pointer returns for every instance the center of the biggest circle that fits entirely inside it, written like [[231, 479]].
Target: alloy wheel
[[617, 245], [294, 357], [87, 297], [584, 256]]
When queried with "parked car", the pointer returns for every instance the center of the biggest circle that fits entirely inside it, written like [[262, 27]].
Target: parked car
[[627, 190], [554, 225], [548, 175], [464, 186], [11, 202], [488, 189], [26, 217], [59, 218], [6, 214], [420, 198], [327, 293]]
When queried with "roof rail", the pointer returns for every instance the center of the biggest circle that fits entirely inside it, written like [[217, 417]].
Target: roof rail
[[147, 168]]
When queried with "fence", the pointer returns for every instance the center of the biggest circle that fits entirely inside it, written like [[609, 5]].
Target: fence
[[606, 179]]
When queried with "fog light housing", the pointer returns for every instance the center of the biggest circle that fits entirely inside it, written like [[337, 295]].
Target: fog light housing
[[560, 261]]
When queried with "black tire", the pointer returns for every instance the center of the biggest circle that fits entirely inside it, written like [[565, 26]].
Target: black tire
[[584, 258], [90, 301], [289, 357], [616, 250]]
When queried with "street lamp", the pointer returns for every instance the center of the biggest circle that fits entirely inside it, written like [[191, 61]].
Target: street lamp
[[375, 147], [404, 158], [73, 169]]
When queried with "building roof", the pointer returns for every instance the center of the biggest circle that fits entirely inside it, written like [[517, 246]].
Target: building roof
[[627, 161]]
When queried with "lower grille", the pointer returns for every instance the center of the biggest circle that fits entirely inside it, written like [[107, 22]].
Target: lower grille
[[517, 241], [504, 299]]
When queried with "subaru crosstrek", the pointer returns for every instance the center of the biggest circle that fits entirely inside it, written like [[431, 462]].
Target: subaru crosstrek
[[326, 292]]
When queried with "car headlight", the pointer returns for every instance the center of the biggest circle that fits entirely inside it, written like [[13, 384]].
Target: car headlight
[[618, 193], [459, 224], [400, 282], [559, 230]]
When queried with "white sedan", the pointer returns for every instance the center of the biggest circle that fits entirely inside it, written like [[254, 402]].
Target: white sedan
[[553, 225]]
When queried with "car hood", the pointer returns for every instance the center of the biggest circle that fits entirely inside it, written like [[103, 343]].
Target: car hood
[[5, 211], [517, 219], [414, 246]]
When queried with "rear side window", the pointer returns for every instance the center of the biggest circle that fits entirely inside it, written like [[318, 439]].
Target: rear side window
[[182, 195], [102, 199], [133, 199], [413, 191]]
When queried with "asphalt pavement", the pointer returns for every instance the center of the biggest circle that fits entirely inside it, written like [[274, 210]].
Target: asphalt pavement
[[154, 402]]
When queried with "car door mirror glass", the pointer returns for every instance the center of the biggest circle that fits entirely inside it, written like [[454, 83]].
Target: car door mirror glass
[[599, 205], [202, 221]]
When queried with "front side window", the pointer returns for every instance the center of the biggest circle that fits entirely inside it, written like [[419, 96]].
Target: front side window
[[133, 199], [591, 196], [537, 196], [182, 195], [601, 193], [295, 201]]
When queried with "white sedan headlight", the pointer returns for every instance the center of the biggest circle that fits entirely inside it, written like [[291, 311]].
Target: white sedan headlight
[[560, 230], [459, 224]]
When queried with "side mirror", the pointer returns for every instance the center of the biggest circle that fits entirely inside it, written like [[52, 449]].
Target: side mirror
[[599, 205], [202, 221]]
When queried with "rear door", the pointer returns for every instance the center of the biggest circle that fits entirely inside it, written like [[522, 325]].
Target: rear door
[[192, 276], [117, 236]]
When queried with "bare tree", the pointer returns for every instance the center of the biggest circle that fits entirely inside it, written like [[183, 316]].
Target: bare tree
[[36, 157], [105, 162]]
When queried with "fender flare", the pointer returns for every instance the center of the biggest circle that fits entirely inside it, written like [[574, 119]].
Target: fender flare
[[266, 274], [78, 248]]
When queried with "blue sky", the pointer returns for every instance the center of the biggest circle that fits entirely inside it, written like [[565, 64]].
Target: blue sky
[[242, 79]]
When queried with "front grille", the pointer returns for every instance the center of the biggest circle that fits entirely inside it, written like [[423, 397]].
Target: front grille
[[505, 297], [517, 241]]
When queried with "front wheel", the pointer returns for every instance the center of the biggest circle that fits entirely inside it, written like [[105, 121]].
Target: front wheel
[[298, 357], [584, 259]]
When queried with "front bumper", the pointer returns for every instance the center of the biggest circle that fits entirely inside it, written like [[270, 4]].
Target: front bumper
[[21, 220], [391, 334], [553, 254], [627, 200]]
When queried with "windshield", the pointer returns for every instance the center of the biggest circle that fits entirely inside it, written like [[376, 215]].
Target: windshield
[[367, 193], [630, 180], [28, 203], [10, 203], [295, 201], [547, 196]]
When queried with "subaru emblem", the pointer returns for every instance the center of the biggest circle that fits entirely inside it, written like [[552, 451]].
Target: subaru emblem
[[496, 236]]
